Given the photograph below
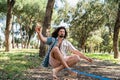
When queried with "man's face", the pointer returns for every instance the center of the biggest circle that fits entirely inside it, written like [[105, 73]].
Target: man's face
[[61, 33]]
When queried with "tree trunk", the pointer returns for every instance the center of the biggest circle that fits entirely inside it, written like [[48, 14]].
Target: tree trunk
[[21, 34], [46, 25], [13, 41], [10, 4], [22, 45], [115, 35], [28, 42]]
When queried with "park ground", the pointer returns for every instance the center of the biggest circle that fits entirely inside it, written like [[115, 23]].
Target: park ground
[[98, 68], [25, 65]]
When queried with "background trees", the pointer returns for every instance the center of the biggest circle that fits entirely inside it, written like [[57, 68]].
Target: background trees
[[25, 15], [93, 24], [93, 21]]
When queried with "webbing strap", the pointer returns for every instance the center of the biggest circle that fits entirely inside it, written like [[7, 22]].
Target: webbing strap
[[88, 74]]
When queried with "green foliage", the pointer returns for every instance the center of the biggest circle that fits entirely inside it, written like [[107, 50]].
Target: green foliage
[[30, 9], [87, 18], [75, 43], [3, 6], [29, 12], [107, 42], [94, 41], [63, 13]]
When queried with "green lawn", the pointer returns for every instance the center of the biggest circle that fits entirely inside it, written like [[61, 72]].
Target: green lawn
[[13, 64], [104, 57]]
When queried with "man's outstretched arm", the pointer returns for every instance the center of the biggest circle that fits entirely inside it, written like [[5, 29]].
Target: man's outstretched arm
[[81, 55], [38, 29]]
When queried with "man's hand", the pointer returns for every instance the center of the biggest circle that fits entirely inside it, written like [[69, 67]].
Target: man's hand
[[90, 60], [81, 55], [38, 28]]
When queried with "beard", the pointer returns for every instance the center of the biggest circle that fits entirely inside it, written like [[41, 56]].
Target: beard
[[61, 36]]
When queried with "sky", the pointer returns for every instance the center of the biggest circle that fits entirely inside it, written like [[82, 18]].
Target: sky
[[2, 24], [72, 2]]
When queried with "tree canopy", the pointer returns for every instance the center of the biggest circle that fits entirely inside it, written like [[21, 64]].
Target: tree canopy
[[93, 24]]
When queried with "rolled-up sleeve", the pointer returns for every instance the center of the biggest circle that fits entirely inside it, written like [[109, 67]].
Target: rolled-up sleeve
[[50, 40], [71, 47]]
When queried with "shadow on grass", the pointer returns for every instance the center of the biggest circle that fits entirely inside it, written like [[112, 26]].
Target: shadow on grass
[[14, 64]]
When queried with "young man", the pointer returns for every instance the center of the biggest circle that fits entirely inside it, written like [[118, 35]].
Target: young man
[[57, 55]]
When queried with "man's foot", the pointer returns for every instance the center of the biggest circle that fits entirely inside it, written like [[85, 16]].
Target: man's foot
[[73, 74], [54, 74], [55, 77]]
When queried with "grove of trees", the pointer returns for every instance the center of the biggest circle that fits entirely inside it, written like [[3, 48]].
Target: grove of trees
[[94, 25]]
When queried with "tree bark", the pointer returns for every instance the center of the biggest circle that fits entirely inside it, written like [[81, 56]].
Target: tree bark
[[13, 41], [46, 25], [10, 4], [115, 35], [22, 43]]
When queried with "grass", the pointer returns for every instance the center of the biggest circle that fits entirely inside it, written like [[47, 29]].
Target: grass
[[13, 64], [104, 57]]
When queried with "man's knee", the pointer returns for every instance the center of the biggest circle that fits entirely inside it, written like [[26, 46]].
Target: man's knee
[[55, 48], [76, 57]]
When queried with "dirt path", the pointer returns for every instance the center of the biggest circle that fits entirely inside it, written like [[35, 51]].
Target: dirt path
[[98, 67]]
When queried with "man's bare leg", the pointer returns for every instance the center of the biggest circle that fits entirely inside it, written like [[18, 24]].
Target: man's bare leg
[[55, 53], [72, 60]]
